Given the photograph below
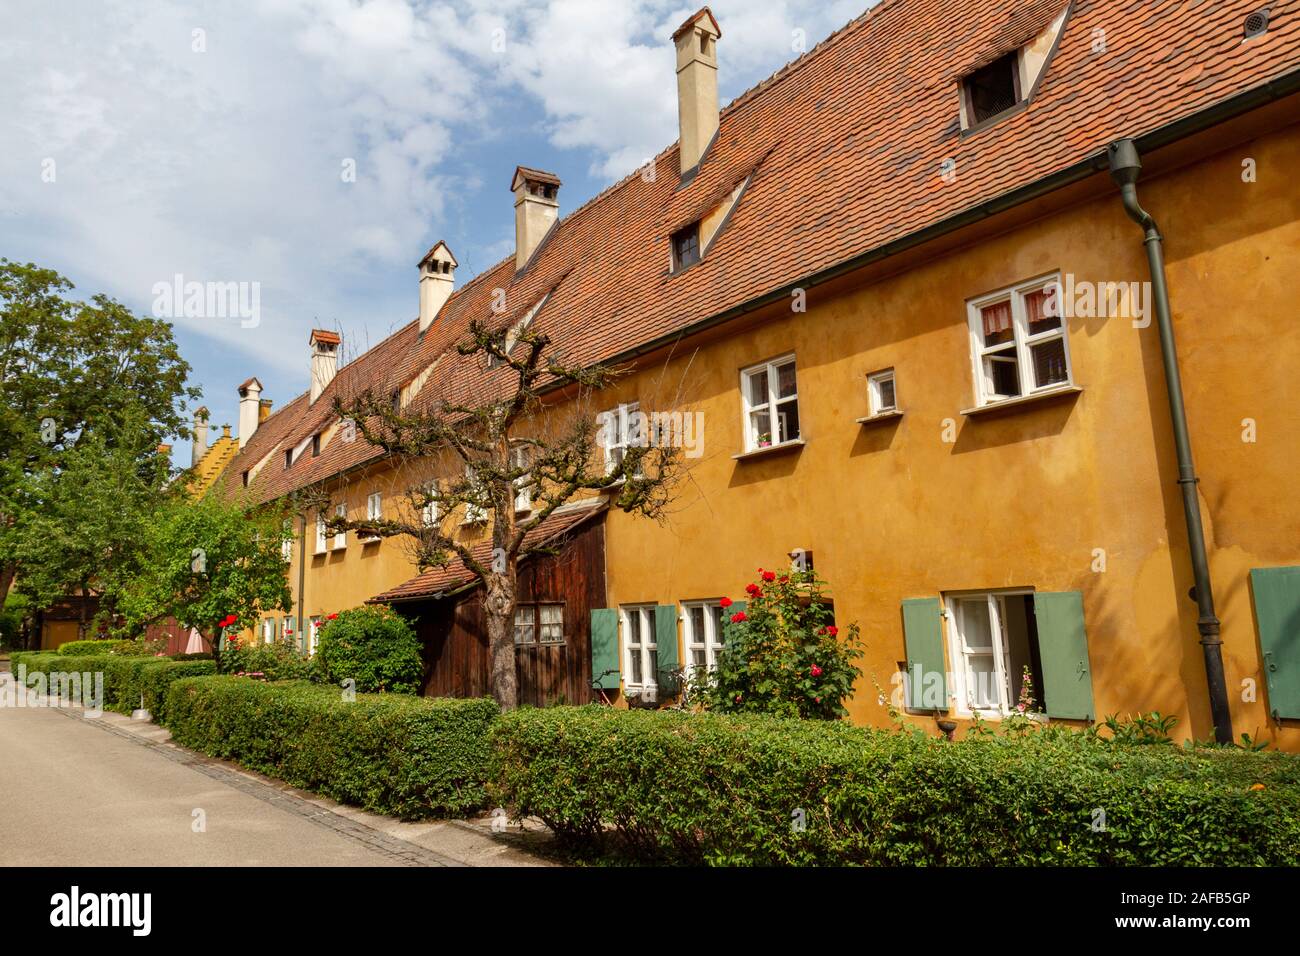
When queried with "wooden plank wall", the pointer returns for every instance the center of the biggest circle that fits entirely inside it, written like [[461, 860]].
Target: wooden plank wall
[[455, 635]]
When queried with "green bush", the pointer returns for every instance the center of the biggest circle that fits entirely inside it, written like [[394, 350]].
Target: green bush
[[279, 660], [408, 756], [128, 681], [758, 790], [783, 654], [82, 648], [375, 646]]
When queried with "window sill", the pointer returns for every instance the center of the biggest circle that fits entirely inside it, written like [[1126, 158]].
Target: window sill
[[785, 446], [1010, 404], [892, 415]]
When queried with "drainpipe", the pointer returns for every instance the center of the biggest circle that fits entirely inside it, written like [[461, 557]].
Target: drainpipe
[[302, 578], [1125, 166]]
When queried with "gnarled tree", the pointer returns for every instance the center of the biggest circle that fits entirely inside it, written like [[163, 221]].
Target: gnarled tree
[[527, 429]]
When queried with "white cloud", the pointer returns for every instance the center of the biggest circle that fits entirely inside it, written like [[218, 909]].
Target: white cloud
[[227, 164]]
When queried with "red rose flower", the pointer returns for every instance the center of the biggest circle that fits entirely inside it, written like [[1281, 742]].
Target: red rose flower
[[725, 602], [769, 576], [832, 630], [753, 590], [738, 617], [816, 671], [332, 617], [817, 700]]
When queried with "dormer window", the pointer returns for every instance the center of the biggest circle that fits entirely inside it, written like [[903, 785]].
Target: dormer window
[[288, 457], [315, 445], [686, 247], [992, 90]]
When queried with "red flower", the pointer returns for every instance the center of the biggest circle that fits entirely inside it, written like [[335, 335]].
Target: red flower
[[832, 630], [737, 698], [753, 590], [816, 671], [725, 602], [817, 700], [332, 617], [785, 578], [738, 617], [769, 576]]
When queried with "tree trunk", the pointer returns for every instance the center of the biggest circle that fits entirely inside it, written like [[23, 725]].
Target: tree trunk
[[499, 607], [7, 574], [83, 624]]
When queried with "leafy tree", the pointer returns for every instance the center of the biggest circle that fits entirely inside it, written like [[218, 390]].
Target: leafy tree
[[70, 371], [470, 458], [201, 562], [85, 519], [783, 654]]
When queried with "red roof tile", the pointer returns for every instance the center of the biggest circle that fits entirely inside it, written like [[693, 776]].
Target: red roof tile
[[453, 576], [847, 146]]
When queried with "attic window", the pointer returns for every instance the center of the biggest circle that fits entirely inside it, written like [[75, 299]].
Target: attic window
[[992, 90], [686, 246], [315, 445], [245, 479], [288, 457]]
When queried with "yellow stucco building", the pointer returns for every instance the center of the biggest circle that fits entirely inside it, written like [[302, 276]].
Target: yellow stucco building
[[897, 292]]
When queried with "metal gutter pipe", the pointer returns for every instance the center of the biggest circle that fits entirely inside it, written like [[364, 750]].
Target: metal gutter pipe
[[1125, 167]]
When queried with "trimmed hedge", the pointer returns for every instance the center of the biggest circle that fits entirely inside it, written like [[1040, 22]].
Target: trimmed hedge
[[127, 680], [407, 756], [720, 789], [82, 648]]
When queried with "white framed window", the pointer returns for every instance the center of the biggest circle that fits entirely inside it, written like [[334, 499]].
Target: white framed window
[[640, 655], [1018, 341], [621, 428], [882, 394], [286, 545], [374, 512], [286, 629], [525, 623], [321, 545], [313, 634], [521, 457], [552, 623], [770, 395], [474, 514], [993, 637], [268, 630], [339, 541], [704, 630]]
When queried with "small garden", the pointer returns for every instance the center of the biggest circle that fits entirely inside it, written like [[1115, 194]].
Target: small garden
[[757, 767]]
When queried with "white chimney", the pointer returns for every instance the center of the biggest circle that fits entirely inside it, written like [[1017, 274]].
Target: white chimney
[[250, 396], [437, 277], [324, 360], [200, 446], [697, 85], [537, 207]]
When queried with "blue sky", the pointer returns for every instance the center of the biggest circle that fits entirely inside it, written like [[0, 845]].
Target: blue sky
[[215, 140]]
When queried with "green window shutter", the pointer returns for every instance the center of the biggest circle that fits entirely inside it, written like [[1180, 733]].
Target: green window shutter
[[923, 639], [1277, 611], [666, 650], [1063, 649], [604, 648]]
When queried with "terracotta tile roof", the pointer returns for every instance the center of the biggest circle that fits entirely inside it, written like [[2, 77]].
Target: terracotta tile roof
[[846, 146], [325, 335], [451, 577]]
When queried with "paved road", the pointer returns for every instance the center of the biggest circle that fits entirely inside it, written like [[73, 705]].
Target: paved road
[[112, 791]]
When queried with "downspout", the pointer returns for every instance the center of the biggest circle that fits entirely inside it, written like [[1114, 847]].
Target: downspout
[[1125, 166], [302, 577]]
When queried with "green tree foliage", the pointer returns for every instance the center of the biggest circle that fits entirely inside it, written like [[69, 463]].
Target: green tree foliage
[[71, 373], [85, 518], [202, 561]]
